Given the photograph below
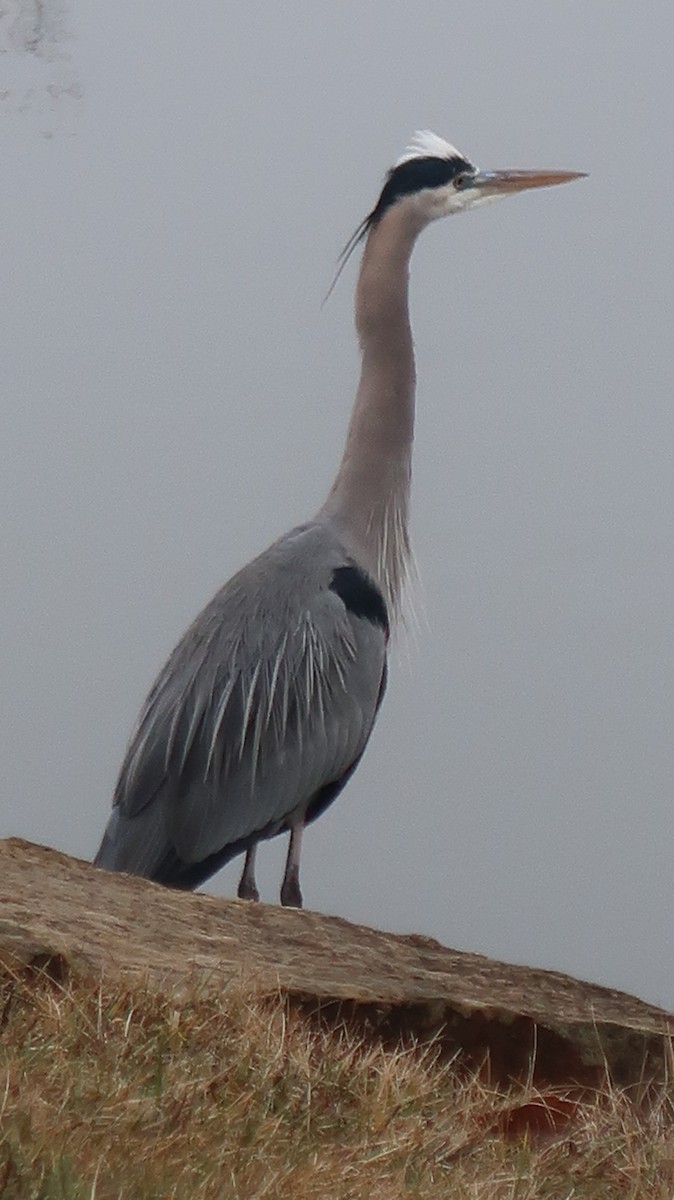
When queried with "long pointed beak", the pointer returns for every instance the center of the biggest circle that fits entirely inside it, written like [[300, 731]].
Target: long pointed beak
[[500, 183]]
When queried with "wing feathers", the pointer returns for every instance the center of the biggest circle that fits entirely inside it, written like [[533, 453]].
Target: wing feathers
[[270, 696]]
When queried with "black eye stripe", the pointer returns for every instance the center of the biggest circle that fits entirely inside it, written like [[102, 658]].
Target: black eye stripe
[[415, 175], [410, 177]]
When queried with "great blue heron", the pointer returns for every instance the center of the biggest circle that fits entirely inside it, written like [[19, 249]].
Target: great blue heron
[[266, 705]]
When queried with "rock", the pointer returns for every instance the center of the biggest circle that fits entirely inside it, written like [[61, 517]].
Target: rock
[[63, 915]]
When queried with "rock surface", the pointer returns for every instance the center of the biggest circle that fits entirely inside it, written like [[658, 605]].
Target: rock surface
[[64, 914]]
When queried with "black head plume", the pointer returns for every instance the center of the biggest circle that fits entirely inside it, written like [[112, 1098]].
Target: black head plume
[[428, 162]]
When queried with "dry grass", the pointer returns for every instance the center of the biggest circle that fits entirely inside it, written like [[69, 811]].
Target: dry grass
[[107, 1094]]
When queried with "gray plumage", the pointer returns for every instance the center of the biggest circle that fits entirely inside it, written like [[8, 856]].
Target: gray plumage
[[266, 705], [269, 697]]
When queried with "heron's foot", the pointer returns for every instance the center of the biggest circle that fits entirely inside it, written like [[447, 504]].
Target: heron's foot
[[247, 890], [291, 893]]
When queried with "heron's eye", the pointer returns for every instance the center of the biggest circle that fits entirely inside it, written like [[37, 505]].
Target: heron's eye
[[461, 181]]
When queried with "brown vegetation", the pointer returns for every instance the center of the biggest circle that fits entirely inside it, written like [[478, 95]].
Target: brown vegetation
[[130, 1092], [155, 1045]]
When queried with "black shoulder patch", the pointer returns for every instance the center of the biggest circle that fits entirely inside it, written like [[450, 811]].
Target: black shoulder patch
[[360, 595]]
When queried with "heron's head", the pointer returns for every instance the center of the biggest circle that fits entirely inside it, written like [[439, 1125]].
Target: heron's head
[[433, 179]]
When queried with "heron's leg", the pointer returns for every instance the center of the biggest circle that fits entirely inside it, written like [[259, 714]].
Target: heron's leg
[[291, 895], [247, 889]]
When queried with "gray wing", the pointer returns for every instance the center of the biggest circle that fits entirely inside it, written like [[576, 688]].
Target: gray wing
[[269, 697]]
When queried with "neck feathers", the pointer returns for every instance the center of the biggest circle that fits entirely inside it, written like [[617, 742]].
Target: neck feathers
[[370, 496]]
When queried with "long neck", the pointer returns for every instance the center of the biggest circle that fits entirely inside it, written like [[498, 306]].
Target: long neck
[[370, 495]]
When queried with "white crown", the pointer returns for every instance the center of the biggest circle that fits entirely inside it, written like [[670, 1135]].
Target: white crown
[[426, 144]]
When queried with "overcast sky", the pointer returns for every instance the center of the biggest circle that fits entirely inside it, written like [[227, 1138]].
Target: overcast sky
[[174, 194]]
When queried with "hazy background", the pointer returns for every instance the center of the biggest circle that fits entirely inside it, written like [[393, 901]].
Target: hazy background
[[173, 397]]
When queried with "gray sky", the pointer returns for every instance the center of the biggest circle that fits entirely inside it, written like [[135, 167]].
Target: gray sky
[[174, 397]]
